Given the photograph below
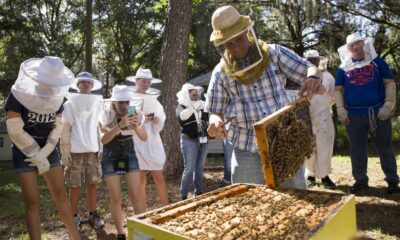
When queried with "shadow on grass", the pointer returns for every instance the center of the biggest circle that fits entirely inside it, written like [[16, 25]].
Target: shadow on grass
[[101, 234], [376, 210], [377, 192], [382, 216]]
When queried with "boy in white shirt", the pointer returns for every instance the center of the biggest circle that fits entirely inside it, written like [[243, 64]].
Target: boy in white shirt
[[80, 147]]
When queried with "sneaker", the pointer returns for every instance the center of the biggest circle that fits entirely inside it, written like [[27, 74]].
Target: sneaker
[[96, 221], [392, 187], [358, 186], [327, 182], [121, 237], [77, 220], [311, 181]]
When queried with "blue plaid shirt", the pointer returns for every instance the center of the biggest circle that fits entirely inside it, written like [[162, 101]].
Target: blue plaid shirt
[[253, 102]]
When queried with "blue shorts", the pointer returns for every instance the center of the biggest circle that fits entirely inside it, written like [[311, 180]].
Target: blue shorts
[[21, 166], [110, 155]]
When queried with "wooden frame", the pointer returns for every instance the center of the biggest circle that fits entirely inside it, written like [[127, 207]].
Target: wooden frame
[[262, 140]]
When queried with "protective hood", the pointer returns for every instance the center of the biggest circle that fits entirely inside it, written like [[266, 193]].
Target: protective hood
[[347, 62]]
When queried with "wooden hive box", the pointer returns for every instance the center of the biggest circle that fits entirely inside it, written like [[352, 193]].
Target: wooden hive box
[[337, 223]]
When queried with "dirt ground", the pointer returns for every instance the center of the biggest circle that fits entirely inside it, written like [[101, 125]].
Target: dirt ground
[[378, 213]]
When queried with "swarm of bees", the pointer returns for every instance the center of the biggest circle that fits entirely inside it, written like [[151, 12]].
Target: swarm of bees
[[259, 213], [291, 141]]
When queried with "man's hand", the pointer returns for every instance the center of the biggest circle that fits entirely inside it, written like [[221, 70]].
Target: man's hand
[[217, 127], [310, 87]]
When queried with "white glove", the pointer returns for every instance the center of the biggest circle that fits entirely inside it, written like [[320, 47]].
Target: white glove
[[186, 113], [40, 161], [342, 113], [198, 105], [390, 100]]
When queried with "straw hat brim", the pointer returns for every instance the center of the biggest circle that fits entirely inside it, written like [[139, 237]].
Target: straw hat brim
[[220, 36]]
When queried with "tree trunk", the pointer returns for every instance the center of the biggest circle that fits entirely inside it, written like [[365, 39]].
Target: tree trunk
[[173, 72], [89, 36]]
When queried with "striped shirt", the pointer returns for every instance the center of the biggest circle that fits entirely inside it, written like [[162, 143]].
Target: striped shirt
[[253, 102]]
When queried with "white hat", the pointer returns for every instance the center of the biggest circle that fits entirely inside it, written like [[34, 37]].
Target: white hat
[[346, 57], [85, 76], [143, 73], [42, 84], [48, 70], [227, 23], [120, 93], [313, 54], [354, 37]]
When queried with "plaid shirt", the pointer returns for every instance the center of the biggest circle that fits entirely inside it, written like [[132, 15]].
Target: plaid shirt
[[253, 102]]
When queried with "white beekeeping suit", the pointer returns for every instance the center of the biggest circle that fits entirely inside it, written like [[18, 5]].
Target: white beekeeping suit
[[319, 165]]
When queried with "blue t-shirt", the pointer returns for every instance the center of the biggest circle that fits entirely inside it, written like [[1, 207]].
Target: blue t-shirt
[[364, 87], [37, 125]]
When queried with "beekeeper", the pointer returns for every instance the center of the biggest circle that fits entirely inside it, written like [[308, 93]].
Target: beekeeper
[[365, 96], [150, 153], [34, 125], [194, 138], [248, 83], [319, 165]]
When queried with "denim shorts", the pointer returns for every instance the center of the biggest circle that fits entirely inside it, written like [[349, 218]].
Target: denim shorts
[[110, 155], [21, 166]]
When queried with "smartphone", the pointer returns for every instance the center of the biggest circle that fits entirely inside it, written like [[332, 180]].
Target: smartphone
[[150, 116], [131, 110]]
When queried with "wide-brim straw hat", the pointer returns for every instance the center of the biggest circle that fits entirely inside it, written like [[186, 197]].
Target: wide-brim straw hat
[[85, 76], [143, 73], [227, 23]]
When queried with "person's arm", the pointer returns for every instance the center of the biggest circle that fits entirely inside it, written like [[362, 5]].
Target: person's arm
[[65, 145], [40, 159], [390, 100], [340, 107], [390, 90], [313, 83], [24, 142], [159, 119], [184, 114], [299, 70], [109, 134], [139, 129]]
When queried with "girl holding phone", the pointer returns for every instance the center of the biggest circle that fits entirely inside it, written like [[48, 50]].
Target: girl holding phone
[[119, 156]]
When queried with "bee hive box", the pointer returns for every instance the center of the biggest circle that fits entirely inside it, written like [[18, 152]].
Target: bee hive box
[[285, 140], [249, 211]]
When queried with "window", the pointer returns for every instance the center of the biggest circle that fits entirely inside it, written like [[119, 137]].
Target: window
[[1, 142]]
